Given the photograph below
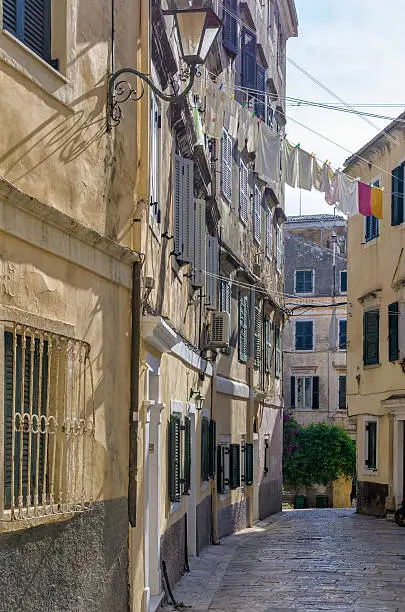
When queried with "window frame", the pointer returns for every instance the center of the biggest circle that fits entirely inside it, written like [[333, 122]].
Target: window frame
[[303, 350], [311, 388], [305, 270]]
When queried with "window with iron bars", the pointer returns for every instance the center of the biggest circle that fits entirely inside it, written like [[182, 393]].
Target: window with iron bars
[[48, 423]]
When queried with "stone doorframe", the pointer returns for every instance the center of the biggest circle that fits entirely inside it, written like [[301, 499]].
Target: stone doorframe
[[396, 409]]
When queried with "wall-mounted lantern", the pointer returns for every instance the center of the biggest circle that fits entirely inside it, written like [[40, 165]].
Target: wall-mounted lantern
[[198, 398], [196, 30]]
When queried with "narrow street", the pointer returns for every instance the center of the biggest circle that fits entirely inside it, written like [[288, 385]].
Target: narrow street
[[302, 560]]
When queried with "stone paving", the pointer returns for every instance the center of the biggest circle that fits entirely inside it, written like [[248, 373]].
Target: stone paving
[[303, 560]]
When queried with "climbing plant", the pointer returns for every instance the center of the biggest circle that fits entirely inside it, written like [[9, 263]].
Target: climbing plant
[[316, 454]]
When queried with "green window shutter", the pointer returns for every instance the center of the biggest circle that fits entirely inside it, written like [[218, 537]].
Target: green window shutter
[[292, 383], [267, 331], [258, 338], [277, 341], [212, 447], [371, 460], [315, 392], [266, 456], [248, 463], [243, 343], [371, 323], [174, 458], [234, 466], [393, 321], [205, 449], [343, 334], [342, 392], [397, 196], [187, 456], [220, 468]]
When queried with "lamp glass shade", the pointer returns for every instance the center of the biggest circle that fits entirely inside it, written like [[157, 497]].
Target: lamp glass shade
[[196, 31]]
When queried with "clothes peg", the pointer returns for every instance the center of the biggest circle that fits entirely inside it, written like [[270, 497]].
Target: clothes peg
[[221, 86], [260, 119], [244, 104], [233, 96], [254, 113]]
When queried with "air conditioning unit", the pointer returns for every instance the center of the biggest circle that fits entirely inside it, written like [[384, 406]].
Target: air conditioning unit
[[220, 329]]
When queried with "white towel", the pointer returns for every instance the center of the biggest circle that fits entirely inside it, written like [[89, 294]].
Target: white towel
[[332, 187], [304, 170], [234, 119], [212, 99], [289, 165], [243, 128], [348, 194], [267, 163], [253, 135]]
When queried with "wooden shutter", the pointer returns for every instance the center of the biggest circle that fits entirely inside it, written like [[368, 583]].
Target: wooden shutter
[[198, 251], [230, 26], [269, 233], [234, 466], [267, 351], [266, 456], [177, 207], [211, 279], [183, 208], [174, 458], [37, 20], [315, 392], [371, 460], [397, 196], [258, 338], [279, 248], [292, 386], [10, 17], [299, 281], [260, 86], [248, 463], [342, 335], [221, 468], [243, 343], [248, 59], [205, 449], [243, 191], [304, 335], [212, 447], [257, 215], [393, 328], [187, 456], [225, 296], [277, 341], [343, 281], [226, 165], [342, 392], [371, 323]]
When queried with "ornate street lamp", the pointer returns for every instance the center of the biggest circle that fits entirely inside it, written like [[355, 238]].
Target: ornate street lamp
[[196, 30]]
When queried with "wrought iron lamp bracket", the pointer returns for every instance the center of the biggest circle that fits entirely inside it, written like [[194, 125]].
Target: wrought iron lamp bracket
[[121, 90]]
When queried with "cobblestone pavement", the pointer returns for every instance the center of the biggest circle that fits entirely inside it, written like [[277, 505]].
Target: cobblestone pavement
[[301, 560]]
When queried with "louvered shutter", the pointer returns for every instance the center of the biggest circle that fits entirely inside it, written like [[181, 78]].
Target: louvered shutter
[[371, 322], [257, 338], [225, 296], [187, 456], [304, 335], [177, 205], [397, 196], [243, 191], [230, 26], [243, 327], [393, 329], [248, 463], [174, 458], [37, 19], [226, 165], [279, 248], [315, 392], [183, 208], [342, 335], [343, 281], [278, 350], [211, 277], [212, 447], [342, 392], [269, 233], [221, 469], [199, 244], [371, 460], [234, 466], [10, 17], [248, 59], [292, 387], [267, 330], [205, 449], [257, 215], [260, 86]]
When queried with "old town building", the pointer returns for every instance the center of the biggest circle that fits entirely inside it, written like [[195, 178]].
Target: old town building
[[376, 352], [315, 337]]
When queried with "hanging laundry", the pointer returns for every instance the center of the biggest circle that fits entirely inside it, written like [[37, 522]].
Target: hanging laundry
[[289, 163], [304, 170], [234, 118], [317, 176], [198, 129], [376, 202], [225, 101], [332, 186], [364, 199], [211, 109], [267, 163], [348, 194], [242, 128], [253, 135]]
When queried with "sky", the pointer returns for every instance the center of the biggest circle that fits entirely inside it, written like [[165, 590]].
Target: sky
[[355, 48]]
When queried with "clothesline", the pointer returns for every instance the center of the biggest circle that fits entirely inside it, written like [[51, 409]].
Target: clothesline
[[299, 168]]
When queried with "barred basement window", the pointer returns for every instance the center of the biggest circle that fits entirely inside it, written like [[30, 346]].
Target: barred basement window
[[49, 424]]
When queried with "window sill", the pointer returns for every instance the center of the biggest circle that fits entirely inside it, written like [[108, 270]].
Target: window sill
[[371, 366], [20, 524], [371, 242]]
